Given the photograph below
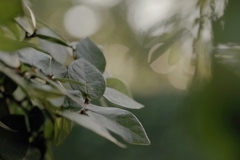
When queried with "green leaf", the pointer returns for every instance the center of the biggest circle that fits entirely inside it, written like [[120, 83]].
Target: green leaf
[[84, 72], [6, 32], [89, 51], [10, 9], [56, 69], [25, 25], [92, 125], [118, 85], [48, 125], [120, 99], [62, 128], [34, 58], [9, 45], [72, 104], [14, 145], [121, 122], [12, 60], [18, 33]]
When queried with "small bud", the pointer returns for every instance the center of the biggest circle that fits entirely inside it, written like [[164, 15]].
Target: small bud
[[82, 111]]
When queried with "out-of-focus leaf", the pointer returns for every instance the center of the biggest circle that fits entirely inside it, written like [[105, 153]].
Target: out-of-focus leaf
[[2, 125], [14, 108], [15, 29], [84, 72], [9, 86], [34, 58], [57, 102], [18, 94], [175, 54], [3, 108], [10, 9], [32, 153], [31, 14], [52, 32], [121, 122], [13, 76], [120, 99], [92, 125], [36, 118], [60, 53], [53, 39], [89, 51], [39, 143], [9, 45], [10, 59], [25, 25], [118, 85], [48, 125], [14, 145], [158, 52], [49, 152], [62, 128], [7, 33], [56, 69]]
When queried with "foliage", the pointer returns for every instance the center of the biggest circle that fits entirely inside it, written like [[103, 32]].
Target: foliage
[[46, 83]]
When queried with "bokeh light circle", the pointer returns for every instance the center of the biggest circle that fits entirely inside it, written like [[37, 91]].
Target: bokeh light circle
[[82, 21]]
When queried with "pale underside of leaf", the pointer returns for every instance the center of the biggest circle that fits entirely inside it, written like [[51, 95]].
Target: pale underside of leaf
[[34, 58], [60, 53], [118, 85], [25, 25], [90, 124], [31, 14], [120, 99], [12, 60], [121, 122]]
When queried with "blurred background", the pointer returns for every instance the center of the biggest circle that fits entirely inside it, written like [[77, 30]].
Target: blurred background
[[181, 60]]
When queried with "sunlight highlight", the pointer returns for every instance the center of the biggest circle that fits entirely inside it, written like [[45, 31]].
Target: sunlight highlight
[[82, 21]]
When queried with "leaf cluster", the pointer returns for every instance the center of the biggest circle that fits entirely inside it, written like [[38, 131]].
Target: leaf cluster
[[47, 83]]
